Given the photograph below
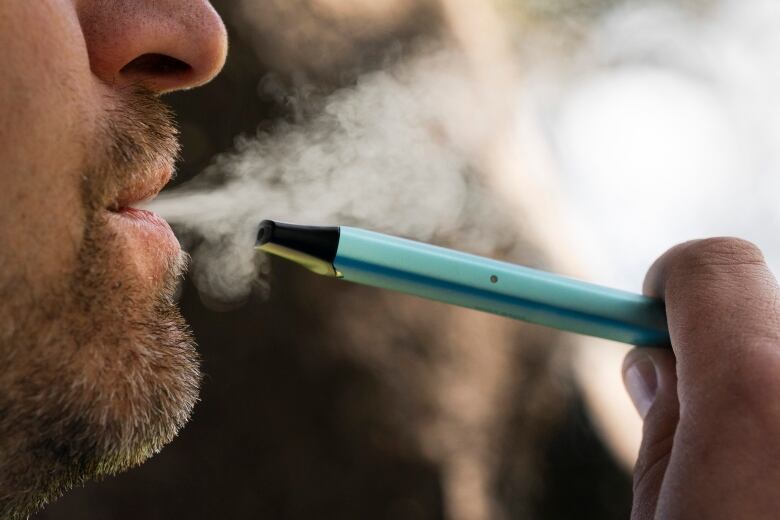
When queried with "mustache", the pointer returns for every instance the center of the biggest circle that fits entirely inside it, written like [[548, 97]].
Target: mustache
[[137, 137]]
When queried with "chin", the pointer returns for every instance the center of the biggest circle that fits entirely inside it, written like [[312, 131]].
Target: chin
[[135, 400]]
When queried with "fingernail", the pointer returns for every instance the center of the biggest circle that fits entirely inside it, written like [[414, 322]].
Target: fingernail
[[641, 383]]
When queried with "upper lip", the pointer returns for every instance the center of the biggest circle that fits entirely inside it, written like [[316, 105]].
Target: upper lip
[[142, 188]]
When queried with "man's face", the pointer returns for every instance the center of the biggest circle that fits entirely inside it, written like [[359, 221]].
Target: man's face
[[98, 370]]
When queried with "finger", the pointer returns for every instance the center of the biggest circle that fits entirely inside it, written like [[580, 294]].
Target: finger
[[722, 308], [649, 376]]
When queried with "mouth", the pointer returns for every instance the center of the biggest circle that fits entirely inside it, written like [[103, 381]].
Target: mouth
[[150, 240]]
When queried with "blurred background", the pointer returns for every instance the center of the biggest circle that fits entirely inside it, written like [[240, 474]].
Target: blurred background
[[586, 137]]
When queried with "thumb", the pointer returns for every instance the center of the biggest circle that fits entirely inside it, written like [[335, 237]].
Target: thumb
[[650, 378]]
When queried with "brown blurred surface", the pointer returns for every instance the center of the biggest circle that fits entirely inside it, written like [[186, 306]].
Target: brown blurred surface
[[337, 401]]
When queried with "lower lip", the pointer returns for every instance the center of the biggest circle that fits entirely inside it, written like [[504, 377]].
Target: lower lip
[[147, 230]]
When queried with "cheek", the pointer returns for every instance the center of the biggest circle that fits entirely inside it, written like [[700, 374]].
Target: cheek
[[46, 118]]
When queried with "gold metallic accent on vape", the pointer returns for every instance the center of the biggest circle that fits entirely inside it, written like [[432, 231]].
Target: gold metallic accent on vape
[[309, 262]]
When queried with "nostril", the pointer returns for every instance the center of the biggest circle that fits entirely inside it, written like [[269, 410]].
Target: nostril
[[156, 65]]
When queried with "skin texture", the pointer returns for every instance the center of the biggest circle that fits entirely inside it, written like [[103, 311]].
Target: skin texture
[[711, 413], [99, 370]]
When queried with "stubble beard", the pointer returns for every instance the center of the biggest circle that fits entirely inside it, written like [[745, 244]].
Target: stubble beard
[[99, 373]]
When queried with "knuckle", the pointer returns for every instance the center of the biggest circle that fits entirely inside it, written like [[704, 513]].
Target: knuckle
[[722, 251], [715, 256]]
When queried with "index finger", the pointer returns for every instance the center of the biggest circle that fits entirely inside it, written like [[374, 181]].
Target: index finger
[[722, 309]]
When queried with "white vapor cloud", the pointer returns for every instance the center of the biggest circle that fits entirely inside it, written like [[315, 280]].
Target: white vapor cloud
[[665, 126]]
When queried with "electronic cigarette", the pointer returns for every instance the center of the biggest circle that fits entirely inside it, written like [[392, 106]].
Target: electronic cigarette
[[445, 275]]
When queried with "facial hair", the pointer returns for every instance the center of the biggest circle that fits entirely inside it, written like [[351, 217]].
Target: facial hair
[[100, 372]]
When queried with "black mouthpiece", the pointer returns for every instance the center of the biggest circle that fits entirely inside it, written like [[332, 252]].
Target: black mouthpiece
[[319, 242]]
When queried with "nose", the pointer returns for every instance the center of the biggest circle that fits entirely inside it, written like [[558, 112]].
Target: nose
[[163, 45]]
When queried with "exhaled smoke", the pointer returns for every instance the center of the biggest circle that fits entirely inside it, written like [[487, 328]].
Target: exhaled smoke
[[391, 153]]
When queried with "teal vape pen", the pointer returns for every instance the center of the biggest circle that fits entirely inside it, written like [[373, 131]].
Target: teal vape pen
[[437, 273]]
